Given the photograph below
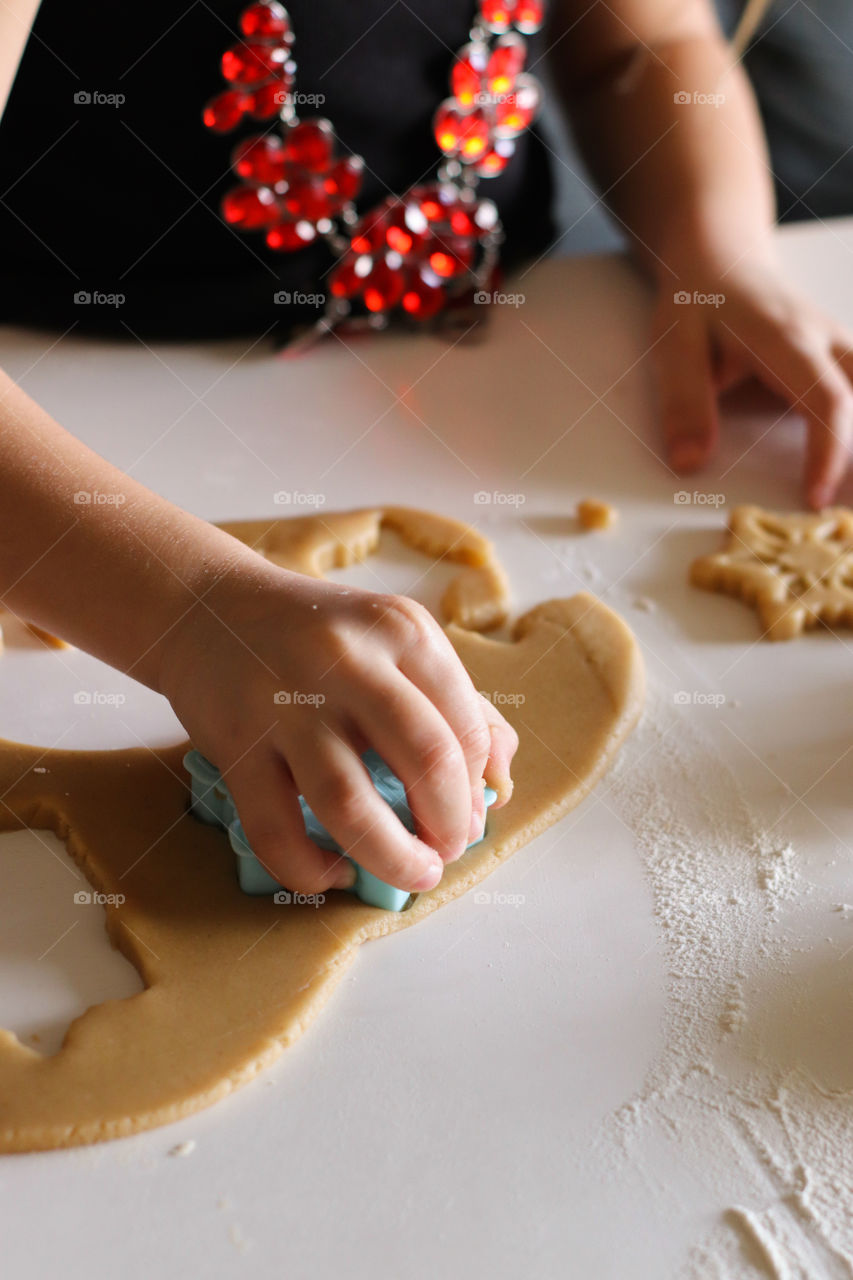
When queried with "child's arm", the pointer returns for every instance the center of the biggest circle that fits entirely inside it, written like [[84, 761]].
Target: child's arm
[[670, 129], [198, 616]]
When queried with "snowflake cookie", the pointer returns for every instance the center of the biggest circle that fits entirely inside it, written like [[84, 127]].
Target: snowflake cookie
[[797, 569]]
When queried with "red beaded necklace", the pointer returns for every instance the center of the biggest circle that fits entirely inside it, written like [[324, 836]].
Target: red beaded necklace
[[412, 254]]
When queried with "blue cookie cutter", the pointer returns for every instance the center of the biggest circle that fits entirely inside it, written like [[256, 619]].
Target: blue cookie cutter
[[212, 803]]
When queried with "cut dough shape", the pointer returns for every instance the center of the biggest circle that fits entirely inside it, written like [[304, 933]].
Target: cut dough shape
[[232, 980], [796, 569]]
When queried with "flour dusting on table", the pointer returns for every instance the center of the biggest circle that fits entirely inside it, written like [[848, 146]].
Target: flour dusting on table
[[752, 1091]]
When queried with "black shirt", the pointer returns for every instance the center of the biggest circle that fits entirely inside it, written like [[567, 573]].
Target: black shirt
[[111, 184]]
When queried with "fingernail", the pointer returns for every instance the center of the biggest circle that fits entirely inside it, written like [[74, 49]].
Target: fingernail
[[431, 876], [687, 455], [820, 495]]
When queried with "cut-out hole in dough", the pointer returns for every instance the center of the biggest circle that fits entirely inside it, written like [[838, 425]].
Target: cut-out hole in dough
[[55, 956], [402, 570]]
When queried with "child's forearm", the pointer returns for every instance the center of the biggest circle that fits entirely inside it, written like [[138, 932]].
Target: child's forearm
[[92, 555], [672, 134]]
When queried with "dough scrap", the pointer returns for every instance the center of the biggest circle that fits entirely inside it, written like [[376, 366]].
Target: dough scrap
[[796, 569], [593, 514], [232, 980]]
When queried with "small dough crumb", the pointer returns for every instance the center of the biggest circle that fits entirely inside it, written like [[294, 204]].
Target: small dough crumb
[[183, 1148], [593, 514]]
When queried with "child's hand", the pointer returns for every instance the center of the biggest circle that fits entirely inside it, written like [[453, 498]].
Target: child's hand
[[762, 329], [284, 681]]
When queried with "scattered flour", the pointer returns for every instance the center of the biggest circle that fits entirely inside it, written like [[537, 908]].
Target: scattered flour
[[753, 1091]]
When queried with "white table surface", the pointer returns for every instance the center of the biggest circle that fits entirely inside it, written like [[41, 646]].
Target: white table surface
[[443, 1116]]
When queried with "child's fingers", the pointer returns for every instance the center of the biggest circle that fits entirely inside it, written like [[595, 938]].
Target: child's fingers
[[267, 802], [686, 390], [418, 744], [802, 370], [443, 679], [504, 744], [338, 788]]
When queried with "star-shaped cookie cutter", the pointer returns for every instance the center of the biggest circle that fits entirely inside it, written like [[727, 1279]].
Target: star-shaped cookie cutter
[[796, 569]]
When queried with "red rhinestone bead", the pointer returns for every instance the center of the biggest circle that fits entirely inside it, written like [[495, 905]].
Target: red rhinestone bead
[[497, 15], [447, 127], [309, 199], [343, 181], [268, 100], [260, 160], [349, 275], [383, 287], [529, 16], [496, 158], [422, 300], [450, 256], [250, 207], [405, 228], [518, 109], [249, 64], [310, 145], [506, 62], [475, 136], [265, 20], [369, 235], [224, 113], [466, 77], [289, 236]]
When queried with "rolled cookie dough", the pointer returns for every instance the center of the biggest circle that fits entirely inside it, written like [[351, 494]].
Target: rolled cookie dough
[[232, 980], [796, 569]]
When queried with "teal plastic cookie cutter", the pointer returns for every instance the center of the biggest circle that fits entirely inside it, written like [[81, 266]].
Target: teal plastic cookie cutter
[[212, 803]]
